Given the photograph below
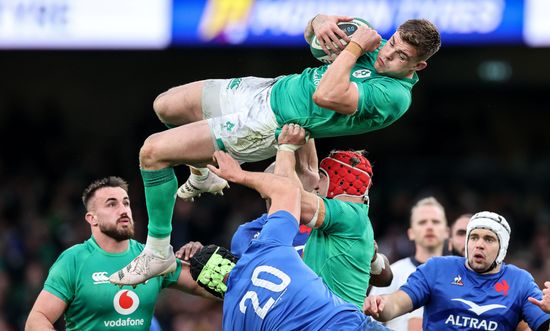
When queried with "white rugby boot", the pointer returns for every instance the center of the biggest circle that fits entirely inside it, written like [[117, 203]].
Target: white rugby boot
[[146, 265], [194, 186]]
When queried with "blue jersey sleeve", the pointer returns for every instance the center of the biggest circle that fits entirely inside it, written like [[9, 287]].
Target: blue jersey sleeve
[[280, 228], [417, 286], [532, 314], [245, 233]]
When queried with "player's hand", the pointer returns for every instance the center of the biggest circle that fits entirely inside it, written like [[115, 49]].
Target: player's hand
[[188, 250], [329, 34], [543, 304], [367, 38], [292, 134], [373, 305], [228, 168]]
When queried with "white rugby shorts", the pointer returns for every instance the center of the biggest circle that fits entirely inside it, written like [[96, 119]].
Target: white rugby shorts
[[240, 117]]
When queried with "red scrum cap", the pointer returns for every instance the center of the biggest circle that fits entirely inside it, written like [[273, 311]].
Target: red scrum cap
[[348, 172]]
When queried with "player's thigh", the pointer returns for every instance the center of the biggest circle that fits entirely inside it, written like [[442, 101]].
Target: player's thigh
[[181, 104], [190, 144]]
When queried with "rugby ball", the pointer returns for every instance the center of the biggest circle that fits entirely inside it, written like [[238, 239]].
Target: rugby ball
[[348, 27]]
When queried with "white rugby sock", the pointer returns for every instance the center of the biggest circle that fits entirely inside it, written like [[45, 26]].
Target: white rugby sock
[[160, 246], [199, 174]]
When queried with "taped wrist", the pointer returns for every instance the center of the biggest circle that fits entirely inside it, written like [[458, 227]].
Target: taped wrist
[[313, 221], [354, 48], [378, 265], [288, 147]]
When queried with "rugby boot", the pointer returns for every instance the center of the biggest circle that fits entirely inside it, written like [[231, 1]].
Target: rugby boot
[[146, 265], [194, 188]]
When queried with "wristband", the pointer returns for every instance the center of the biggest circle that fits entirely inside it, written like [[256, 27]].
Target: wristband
[[288, 147], [354, 48], [313, 221], [378, 265]]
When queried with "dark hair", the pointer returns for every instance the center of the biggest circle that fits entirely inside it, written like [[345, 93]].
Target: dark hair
[[111, 181], [200, 259], [423, 35]]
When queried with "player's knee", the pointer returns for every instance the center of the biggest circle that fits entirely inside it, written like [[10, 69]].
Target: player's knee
[[149, 154], [171, 107], [161, 107]]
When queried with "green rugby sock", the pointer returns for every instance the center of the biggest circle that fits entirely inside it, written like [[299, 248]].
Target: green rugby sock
[[160, 197]]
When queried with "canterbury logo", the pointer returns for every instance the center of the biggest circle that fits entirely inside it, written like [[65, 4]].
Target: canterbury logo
[[100, 277], [479, 309]]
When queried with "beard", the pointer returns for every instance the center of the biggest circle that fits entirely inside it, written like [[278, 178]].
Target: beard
[[116, 232]]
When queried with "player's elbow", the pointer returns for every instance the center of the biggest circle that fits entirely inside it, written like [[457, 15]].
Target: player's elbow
[[333, 102], [288, 187], [321, 99], [37, 321], [295, 192]]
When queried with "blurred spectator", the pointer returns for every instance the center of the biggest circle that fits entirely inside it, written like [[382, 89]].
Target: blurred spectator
[[457, 240], [428, 230]]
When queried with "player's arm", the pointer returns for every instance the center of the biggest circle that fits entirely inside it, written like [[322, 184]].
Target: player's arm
[[46, 311], [283, 192], [386, 307], [543, 304], [325, 28], [381, 274], [335, 90], [312, 207], [307, 165], [186, 284]]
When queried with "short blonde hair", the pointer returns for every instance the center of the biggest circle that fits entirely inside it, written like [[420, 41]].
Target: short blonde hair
[[429, 201]]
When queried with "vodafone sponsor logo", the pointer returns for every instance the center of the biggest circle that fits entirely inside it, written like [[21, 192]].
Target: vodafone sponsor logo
[[125, 302], [124, 322]]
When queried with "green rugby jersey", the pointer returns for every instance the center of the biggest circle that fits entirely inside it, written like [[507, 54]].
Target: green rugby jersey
[[341, 249], [382, 100], [80, 277]]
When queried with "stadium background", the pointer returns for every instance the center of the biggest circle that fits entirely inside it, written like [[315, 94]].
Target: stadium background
[[475, 137]]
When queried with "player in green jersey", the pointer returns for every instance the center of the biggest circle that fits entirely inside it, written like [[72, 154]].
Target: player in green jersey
[[340, 248], [367, 87], [78, 285]]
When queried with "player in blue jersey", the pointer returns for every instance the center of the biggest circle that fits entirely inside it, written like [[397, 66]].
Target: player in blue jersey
[[476, 292], [270, 287], [250, 230]]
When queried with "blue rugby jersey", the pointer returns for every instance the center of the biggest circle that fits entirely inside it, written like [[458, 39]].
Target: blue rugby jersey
[[271, 288], [457, 298], [250, 230]]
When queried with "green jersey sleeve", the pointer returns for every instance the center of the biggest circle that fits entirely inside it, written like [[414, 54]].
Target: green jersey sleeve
[[383, 100], [172, 278], [61, 278]]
